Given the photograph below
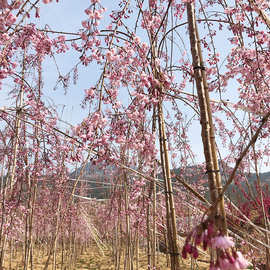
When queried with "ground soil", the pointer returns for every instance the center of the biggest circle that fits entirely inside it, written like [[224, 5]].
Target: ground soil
[[92, 259]]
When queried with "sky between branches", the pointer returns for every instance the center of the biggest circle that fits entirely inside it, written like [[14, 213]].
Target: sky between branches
[[67, 16]]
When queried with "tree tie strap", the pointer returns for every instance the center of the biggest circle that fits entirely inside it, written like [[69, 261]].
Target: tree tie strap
[[174, 254], [212, 171], [199, 67]]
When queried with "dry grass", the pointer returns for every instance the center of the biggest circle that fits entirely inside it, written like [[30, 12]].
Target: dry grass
[[92, 259], [95, 261]]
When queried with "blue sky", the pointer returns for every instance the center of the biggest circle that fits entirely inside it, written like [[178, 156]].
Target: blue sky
[[52, 15]]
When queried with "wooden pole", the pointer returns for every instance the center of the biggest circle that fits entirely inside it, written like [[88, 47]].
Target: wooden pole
[[208, 135], [171, 218]]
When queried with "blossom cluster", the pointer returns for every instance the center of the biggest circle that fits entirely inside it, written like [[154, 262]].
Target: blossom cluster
[[207, 235]]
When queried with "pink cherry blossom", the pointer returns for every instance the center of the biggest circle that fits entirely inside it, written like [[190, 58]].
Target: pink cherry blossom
[[134, 61], [241, 261], [222, 242]]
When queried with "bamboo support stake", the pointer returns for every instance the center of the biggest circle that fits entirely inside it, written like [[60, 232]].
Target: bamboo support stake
[[212, 137], [54, 238], [32, 187], [62, 253], [208, 136], [265, 216], [164, 156], [118, 237], [260, 12], [58, 217], [149, 238], [167, 233], [31, 258], [26, 237], [205, 133], [166, 242], [154, 204], [174, 251], [115, 248], [29, 229], [128, 259], [19, 106], [3, 214], [26, 247], [154, 226], [137, 249], [10, 253]]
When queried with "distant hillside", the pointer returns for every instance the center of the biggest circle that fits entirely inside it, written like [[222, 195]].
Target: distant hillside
[[196, 174], [265, 177], [95, 181]]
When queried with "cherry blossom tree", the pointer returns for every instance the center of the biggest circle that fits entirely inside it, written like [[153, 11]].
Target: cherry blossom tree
[[168, 74]]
